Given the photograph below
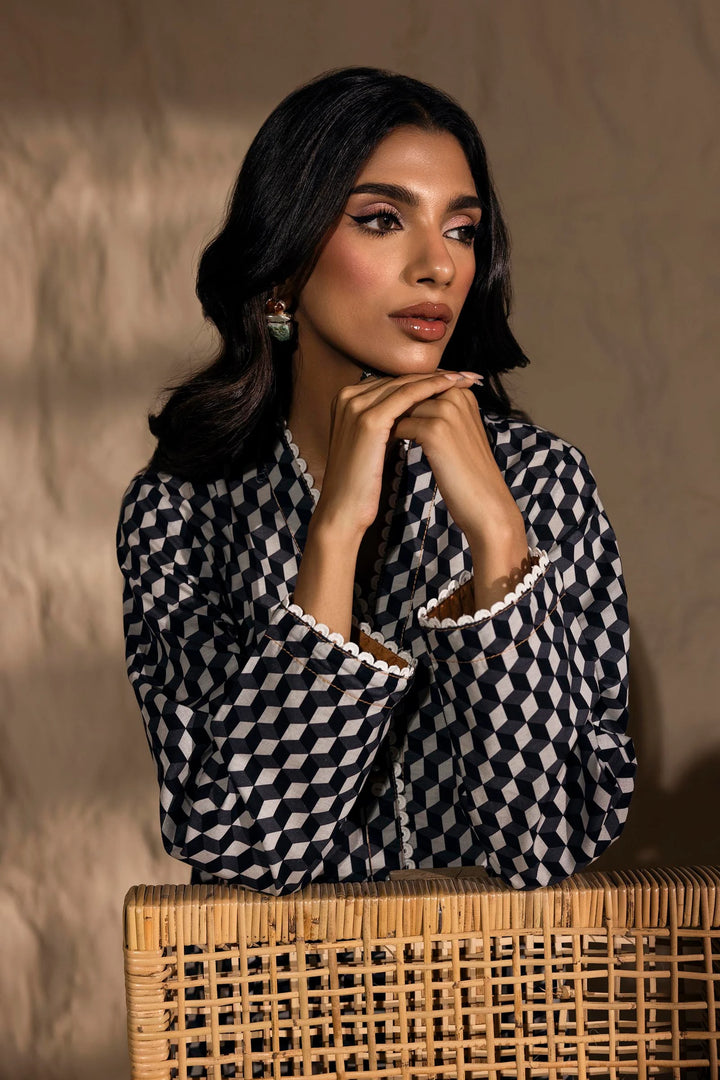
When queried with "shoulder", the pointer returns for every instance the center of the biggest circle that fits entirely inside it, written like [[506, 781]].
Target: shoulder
[[535, 456], [521, 445], [549, 477], [158, 504]]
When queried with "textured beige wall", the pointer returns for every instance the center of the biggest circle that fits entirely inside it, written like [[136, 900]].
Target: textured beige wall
[[122, 126]]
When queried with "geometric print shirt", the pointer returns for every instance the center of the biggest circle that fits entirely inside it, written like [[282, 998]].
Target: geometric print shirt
[[439, 736]]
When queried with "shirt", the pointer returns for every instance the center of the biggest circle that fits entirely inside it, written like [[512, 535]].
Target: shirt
[[445, 736]]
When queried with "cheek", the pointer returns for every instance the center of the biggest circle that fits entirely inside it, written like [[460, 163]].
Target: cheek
[[349, 266], [466, 274]]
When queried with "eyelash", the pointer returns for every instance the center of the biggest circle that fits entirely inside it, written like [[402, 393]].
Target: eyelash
[[360, 221]]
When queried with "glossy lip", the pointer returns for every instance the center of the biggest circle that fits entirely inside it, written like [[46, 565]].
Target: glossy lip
[[425, 311], [421, 329]]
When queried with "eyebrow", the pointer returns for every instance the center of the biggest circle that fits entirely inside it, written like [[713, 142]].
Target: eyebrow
[[405, 195]]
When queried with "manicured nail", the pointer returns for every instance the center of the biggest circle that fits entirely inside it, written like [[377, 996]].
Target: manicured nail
[[453, 375], [471, 375]]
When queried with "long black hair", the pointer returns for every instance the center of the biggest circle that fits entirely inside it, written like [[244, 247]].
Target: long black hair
[[292, 188]]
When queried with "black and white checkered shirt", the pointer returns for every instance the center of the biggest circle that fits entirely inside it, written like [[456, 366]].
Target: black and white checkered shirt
[[443, 737]]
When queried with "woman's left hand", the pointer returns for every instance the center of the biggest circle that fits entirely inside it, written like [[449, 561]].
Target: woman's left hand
[[450, 430]]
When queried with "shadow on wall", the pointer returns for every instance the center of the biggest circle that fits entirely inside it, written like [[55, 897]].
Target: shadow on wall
[[674, 826]]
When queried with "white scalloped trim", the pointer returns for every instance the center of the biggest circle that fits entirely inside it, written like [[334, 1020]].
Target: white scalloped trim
[[484, 613], [350, 646], [302, 465], [389, 513], [388, 644], [401, 810]]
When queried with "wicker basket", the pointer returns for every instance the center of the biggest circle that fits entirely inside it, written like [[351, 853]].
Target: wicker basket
[[431, 974]]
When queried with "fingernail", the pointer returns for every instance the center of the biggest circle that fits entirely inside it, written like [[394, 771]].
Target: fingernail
[[452, 375], [471, 375]]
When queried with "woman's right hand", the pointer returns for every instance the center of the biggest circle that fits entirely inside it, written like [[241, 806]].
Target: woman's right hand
[[362, 418]]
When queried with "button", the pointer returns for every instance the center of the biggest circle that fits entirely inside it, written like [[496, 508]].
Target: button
[[378, 789]]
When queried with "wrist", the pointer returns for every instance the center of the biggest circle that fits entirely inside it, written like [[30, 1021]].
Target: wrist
[[498, 568], [332, 534]]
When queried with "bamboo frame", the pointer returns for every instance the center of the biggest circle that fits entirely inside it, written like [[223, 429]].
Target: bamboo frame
[[430, 974]]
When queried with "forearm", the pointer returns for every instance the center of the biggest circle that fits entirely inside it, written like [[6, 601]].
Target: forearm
[[499, 564], [325, 580]]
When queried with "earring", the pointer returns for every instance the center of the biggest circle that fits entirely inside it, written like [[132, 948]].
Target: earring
[[279, 323]]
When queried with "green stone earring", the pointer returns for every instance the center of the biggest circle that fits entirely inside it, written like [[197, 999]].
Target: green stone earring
[[279, 323]]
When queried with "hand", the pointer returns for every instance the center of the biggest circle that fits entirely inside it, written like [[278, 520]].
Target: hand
[[451, 432], [362, 419]]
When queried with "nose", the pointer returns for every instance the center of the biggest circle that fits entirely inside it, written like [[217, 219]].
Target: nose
[[430, 259]]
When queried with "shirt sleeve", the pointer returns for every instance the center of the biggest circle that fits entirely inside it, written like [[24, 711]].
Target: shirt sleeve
[[262, 736], [534, 692]]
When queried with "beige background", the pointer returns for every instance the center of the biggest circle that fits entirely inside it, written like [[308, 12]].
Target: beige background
[[122, 127]]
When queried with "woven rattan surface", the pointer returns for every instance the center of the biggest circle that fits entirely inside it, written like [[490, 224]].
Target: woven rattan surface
[[447, 974]]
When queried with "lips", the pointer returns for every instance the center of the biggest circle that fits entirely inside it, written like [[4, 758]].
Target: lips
[[427, 312], [423, 322]]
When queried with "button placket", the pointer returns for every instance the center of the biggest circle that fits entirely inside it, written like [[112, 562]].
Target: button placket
[[402, 819]]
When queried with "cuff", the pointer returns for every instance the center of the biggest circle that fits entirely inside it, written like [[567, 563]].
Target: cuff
[[455, 605], [455, 632], [371, 647]]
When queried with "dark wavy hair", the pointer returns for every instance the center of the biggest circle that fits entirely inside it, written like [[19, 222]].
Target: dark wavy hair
[[290, 193]]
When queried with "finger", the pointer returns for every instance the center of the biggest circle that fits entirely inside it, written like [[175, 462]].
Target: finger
[[414, 386], [370, 378], [394, 399], [461, 404], [460, 397], [378, 376]]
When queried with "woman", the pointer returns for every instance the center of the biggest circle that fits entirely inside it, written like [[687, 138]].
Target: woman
[[375, 617]]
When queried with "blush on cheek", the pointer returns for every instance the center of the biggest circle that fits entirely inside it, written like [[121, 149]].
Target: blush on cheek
[[346, 261]]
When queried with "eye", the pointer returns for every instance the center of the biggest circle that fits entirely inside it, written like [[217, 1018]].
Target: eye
[[389, 218], [381, 215], [468, 233]]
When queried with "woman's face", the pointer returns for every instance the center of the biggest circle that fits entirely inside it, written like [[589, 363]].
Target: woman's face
[[404, 239]]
